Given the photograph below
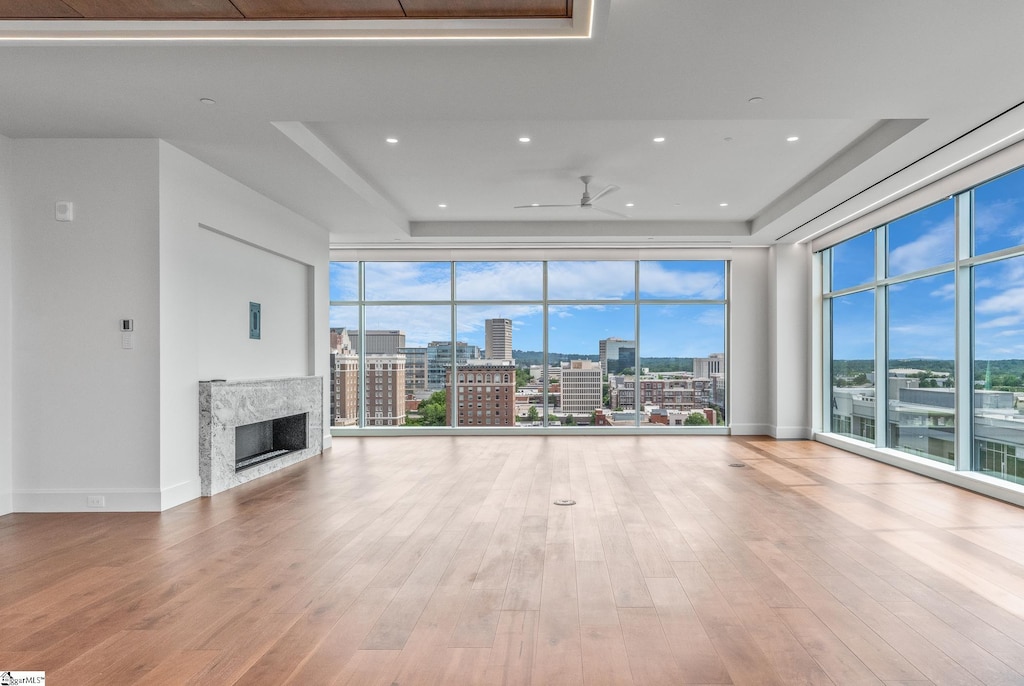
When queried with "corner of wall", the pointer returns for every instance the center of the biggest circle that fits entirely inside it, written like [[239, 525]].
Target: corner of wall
[[6, 333]]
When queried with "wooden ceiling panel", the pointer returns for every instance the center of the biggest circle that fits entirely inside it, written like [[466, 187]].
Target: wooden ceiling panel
[[141, 10], [155, 9], [36, 9], [487, 8], [320, 9]]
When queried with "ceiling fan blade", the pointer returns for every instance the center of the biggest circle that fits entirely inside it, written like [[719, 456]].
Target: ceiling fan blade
[[611, 212], [526, 207], [604, 191]]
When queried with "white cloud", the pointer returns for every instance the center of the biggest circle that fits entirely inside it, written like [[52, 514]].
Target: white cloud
[[927, 250]]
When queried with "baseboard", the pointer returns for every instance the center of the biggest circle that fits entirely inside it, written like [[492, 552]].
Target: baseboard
[[788, 433], [172, 496], [6, 504], [74, 500], [750, 429], [328, 441]]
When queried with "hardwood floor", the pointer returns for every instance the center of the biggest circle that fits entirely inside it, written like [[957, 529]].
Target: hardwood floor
[[443, 560]]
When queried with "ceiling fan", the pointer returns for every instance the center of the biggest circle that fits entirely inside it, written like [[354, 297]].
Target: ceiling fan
[[587, 201]]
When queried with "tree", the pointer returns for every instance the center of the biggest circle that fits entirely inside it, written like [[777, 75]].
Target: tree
[[696, 419], [522, 378], [532, 414], [860, 379], [433, 410], [569, 420]]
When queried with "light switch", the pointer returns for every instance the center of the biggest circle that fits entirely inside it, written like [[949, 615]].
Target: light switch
[[127, 341]]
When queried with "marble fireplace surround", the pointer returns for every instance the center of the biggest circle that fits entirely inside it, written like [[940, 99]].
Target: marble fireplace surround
[[226, 405]]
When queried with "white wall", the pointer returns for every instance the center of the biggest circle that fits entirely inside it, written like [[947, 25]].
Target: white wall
[[228, 276], [197, 286], [86, 411], [748, 357], [6, 329], [789, 340]]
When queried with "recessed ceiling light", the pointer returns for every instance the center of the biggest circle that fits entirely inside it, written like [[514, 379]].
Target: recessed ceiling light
[[659, 139], [629, 204], [392, 141], [755, 100], [524, 139], [723, 204], [727, 139], [793, 139], [208, 101], [534, 204], [442, 205]]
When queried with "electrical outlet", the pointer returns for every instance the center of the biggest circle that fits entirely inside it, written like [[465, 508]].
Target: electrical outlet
[[95, 501]]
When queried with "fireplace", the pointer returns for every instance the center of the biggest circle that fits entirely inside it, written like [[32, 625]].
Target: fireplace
[[262, 441], [252, 427]]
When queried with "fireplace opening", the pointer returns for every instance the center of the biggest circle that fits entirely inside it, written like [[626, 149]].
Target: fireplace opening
[[257, 443]]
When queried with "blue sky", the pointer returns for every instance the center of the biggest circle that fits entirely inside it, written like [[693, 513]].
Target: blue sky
[[921, 323], [666, 330]]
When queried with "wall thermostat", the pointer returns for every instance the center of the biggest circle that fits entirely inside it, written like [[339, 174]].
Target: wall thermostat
[[127, 325]]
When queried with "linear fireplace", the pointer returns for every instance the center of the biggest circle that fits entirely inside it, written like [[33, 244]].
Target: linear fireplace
[[250, 428], [261, 441]]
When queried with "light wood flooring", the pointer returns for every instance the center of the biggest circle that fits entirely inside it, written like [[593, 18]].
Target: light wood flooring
[[443, 560]]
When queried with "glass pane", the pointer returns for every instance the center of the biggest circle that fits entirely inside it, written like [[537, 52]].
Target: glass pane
[[853, 262], [408, 281], [583, 342], [853, 365], [408, 354], [682, 280], [682, 368], [923, 239], [591, 280], [999, 369], [499, 280], [344, 367], [999, 213], [344, 281], [920, 369], [505, 388]]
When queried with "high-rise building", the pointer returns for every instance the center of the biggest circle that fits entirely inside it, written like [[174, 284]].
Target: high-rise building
[[415, 372], [617, 354], [581, 390], [484, 394], [385, 390], [710, 366], [498, 339], [344, 388]]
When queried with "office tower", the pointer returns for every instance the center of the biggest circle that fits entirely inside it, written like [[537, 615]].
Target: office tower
[[581, 387], [498, 339]]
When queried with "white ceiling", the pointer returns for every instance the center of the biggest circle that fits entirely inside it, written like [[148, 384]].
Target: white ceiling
[[870, 87]]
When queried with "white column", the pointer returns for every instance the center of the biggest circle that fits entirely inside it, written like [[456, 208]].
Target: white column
[[789, 340]]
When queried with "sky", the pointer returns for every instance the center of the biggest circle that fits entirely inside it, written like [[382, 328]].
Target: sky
[[666, 330], [921, 315]]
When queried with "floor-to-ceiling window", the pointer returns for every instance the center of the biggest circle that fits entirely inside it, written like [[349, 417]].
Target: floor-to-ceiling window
[[924, 331], [505, 344]]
